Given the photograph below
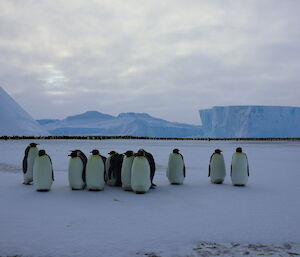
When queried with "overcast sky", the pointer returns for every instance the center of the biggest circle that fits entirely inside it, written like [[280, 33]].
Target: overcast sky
[[167, 58]]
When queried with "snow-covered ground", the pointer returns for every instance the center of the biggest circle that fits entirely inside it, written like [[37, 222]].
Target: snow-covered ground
[[195, 219]]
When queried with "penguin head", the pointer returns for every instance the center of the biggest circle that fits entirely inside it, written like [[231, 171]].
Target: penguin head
[[33, 144], [95, 152], [112, 152], [128, 153], [176, 150], [239, 150], [73, 154], [140, 153], [218, 151], [42, 152]]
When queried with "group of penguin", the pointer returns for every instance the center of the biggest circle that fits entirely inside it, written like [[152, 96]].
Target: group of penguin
[[131, 171]]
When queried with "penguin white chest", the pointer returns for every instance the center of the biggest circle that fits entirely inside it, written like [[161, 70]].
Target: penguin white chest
[[42, 173], [76, 173], [95, 173], [140, 175], [126, 172], [175, 169], [239, 169], [217, 168]]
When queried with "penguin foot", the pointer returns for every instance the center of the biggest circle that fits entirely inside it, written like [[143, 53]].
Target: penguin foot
[[94, 190], [42, 190], [27, 183], [176, 184], [153, 186], [218, 182], [140, 192], [76, 189], [239, 185]]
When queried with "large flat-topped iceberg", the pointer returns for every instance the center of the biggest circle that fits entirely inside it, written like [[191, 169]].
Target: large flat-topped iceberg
[[251, 121]]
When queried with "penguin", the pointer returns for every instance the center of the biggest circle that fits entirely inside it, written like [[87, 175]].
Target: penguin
[[176, 168], [151, 161], [239, 168], [216, 168], [83, 157], [31, 152], [95, 172], [114, 169], [43, 175], [140, 173], [126, 170], [76, 171]]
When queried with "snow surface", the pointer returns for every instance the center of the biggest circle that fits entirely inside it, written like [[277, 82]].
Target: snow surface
[[251, 121], [14, 120], [167, 221]]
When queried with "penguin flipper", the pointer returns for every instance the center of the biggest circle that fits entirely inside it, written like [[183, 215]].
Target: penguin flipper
[[25, 165], [209, 165], [184, 170], [51, 168], [82, 158]]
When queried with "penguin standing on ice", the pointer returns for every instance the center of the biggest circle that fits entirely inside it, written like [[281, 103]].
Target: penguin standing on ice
[[239, 168], [126, 170], [77, 170], [43, 175], [176, 168], [140, 174], [95, 172], [151, 161], [114, 169], [216, 168], [31, 152]]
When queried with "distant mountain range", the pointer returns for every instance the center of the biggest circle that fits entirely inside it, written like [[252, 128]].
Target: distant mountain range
[[130, 124], [217, 122]]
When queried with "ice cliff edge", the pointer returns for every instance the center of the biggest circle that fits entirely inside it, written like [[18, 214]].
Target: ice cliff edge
[[251, 121]]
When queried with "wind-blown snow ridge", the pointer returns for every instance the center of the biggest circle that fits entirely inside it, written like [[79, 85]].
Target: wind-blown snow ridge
[[14, 120]]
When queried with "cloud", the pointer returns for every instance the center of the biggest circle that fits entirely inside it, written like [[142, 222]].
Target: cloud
[[167, 58]]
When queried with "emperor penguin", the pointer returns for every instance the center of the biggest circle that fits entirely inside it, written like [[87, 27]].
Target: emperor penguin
[[151, 161], [176, 168], [114, 166], [31, 152], [239, 168], [140, 174], [126, 170], [76, 171], [95, 172], [43, 175], [216, 168]]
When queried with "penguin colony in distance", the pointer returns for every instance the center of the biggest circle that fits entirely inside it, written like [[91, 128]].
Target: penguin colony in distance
[[43, 176], [31, 152], [133, 172], [217, 170], [176, 168]]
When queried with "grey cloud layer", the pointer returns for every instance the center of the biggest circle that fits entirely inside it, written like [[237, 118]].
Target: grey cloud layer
[[168, 58]]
